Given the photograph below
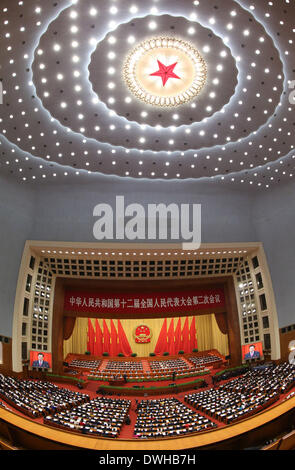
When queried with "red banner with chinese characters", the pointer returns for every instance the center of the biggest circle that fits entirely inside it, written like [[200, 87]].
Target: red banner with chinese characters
[[177, 302]]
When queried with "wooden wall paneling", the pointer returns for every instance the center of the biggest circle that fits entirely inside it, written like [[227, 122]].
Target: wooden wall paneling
[[285, 339], [57, 327], [7, 356], [234, 336]]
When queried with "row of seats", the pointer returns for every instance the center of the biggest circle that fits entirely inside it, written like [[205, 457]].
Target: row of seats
[[126, 366], [129, 367], [166, 374], [233, 400], [204, 360], [170, 364], [101, 416], [168, 417], [245, 395], [36, 398], [84, 364]]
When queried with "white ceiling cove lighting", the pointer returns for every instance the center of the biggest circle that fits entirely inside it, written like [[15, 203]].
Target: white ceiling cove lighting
[[148, 82]]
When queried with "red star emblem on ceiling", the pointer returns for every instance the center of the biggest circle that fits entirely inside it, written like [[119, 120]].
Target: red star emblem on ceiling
[[165, 72]]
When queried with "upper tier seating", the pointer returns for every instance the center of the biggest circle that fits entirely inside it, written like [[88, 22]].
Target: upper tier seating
[[205, 360], [124, 366], [84, 364], [169, 364]]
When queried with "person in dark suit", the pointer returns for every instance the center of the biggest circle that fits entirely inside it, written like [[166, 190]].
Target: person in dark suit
[[40, 362], [252, 354], [127, 420]]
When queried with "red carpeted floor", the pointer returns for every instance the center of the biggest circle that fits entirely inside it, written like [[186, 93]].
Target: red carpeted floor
[[103, 365], [146, 366]]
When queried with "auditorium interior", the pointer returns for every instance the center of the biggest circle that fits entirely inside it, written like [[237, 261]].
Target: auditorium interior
[[115, 341]]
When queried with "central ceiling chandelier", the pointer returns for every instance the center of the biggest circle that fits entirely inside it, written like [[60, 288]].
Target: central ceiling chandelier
[[165, 71]]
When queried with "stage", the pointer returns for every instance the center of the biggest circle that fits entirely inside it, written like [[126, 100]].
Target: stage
[[150, 319]]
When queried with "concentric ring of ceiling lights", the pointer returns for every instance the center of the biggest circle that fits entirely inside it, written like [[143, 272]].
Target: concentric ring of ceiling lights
[[67, 110], [171, 90], [108, 87]]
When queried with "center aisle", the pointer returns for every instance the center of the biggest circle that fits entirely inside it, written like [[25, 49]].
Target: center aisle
[[188, 362], [103, 364], [145, 366], [128, 429]]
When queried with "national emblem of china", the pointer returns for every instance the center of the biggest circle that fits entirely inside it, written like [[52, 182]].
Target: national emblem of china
[[142, 334]]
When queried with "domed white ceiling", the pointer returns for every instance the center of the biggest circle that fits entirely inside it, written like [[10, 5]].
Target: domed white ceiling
[[69, 109]]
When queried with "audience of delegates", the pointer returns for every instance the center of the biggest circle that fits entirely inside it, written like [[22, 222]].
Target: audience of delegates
[[207, 360], [167, 417], [245, 395], [133, 371], [84, 364], [228, 374], [37, 398], [124, 366], [143, 376], [101, 416], [238, 398], [119, 370], [170, 365], [271, 378], [131, 376]]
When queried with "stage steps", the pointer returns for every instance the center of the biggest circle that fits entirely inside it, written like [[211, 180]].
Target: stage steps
[[146, 366], [103, 364], [188, 362]]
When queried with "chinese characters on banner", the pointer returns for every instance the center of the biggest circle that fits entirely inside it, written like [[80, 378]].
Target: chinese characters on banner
[[139, 303]]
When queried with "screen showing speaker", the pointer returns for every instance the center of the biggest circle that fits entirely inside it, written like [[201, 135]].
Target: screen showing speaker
[[40, 360], [252, 351]]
